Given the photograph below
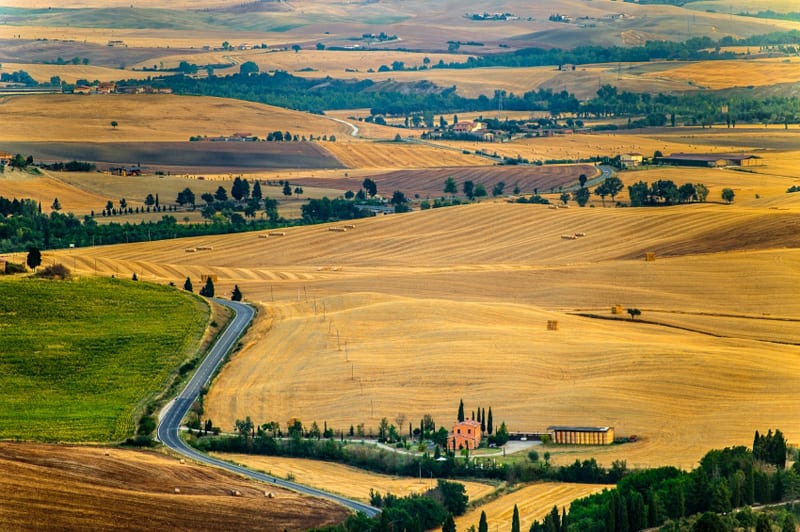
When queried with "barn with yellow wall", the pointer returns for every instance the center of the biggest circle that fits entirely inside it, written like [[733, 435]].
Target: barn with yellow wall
[[582, 435]]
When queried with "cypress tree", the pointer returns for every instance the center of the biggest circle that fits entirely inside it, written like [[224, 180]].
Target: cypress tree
[[479, 415], [461, 410], [208, 289], [489, 427], [515, 520], [236, 295], [187, 285], [483, 525]]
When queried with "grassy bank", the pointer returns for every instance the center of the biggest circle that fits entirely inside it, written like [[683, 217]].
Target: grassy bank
[[76, 358]]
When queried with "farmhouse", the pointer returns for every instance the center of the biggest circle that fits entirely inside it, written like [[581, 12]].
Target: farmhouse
[[466, 435], [713, 160], [129, 171], [5, 158], [82, 89], [628, 160], [467, 126], [582, 435]]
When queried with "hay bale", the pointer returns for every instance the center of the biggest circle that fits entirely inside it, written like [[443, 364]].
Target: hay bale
[[269, 495], [552, 206], [177, 490], [650, 256], [552, 325], [616, 309], [182, 461], [262, 236], [190, 250], [236, 493], [337, 229], [581, 234], [204, 248], [277, 233], [349, 226], [568, 237]]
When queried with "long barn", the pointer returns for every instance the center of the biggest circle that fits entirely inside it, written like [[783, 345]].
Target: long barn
[[582, 435]]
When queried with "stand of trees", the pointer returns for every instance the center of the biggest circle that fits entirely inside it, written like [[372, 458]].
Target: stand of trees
[[726, 479]]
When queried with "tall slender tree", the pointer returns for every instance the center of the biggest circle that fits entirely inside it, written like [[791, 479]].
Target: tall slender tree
[[483, 525], [461, 410], [187, 285], [515, 520], [489, 427]]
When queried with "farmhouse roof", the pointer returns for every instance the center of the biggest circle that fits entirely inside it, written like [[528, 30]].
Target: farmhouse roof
[[470, 422], [578, 429], [711, 156]]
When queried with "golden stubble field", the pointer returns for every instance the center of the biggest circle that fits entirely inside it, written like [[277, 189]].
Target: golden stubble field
[[345, 480], [148, 117], [57, 487], [408, 314]]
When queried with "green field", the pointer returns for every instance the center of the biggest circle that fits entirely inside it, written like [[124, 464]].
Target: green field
[[77, 358]]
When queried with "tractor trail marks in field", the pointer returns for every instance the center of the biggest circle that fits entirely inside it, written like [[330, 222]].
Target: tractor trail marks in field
[[71, 488]]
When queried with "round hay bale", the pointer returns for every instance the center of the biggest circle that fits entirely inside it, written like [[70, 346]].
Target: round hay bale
[[177, 490], [269, 495], [182, 461]]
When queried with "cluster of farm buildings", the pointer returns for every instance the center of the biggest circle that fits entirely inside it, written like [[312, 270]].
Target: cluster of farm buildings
[[110, 87], [467, 434], [712, 160]]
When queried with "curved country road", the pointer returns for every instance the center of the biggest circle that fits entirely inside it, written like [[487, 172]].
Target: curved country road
[[174, 412]]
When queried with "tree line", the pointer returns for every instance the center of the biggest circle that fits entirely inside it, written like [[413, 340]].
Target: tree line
[[725, 479]]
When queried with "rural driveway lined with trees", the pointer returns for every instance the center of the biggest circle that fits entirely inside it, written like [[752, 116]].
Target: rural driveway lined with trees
[[172, 415]]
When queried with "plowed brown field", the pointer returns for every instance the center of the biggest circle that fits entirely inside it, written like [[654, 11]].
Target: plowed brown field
[[83, 488], [430, 182], [399, 315]]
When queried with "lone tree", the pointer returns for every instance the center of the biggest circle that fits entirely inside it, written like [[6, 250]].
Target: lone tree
[[728, 195], [515, 520], [370, 186], [134, 278], [634, 312], [450, 186], [188, 285], [236, 295], [483, 524], [56, 206], [114, 124], [208, 289], [34, 258]]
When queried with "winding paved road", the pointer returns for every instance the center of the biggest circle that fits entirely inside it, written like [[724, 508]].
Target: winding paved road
[[174, 412]]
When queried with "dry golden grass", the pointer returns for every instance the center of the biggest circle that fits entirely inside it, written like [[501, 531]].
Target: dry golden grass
[[724, 74], [345, 480], [389, 155], [377, 321], [144, 117], [534, 502], [58, 487]]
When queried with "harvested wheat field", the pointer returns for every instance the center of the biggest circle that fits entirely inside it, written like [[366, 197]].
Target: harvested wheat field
[[344, 480], [148, 117], [45, 189], [87, 488], [399, 314], [390, 155], [533, 502], [724, 74]]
